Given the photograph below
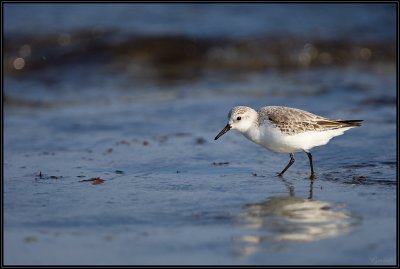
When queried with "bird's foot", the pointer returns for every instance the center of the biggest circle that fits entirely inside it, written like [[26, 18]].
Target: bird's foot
[[279, 174]]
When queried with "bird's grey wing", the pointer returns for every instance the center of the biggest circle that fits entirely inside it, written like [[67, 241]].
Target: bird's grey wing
[[293, 121]]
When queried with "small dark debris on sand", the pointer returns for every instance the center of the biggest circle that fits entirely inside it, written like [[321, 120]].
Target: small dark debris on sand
[[30, 239], [256, 175], [123, 142], [200, 141], [43, 176], [94, 180], [120, 172], [220, 163], [145, 143]]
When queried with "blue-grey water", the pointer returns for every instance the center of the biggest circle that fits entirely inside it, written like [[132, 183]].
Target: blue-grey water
[[331, 21], [109, 155]]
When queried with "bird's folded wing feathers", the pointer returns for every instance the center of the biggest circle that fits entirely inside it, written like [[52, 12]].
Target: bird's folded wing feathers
[[292, 120]]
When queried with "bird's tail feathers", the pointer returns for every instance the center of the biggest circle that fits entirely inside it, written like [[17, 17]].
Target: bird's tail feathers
[[351, 123]]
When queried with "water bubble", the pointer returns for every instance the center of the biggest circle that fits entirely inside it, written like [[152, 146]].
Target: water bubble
[[311, 50], [19, 63], [304, 58], [365, 53]]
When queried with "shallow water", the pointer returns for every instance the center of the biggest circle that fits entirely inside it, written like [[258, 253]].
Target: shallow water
[[103, 168], [172, 195], [371, 21]]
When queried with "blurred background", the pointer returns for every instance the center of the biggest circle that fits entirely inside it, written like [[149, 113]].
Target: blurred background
[[111, 111], [57, 50]]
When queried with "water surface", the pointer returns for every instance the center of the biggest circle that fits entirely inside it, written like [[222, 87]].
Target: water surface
[[109, 155]]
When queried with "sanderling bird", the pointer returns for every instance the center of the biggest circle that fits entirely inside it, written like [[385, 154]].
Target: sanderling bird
[[285, 129]]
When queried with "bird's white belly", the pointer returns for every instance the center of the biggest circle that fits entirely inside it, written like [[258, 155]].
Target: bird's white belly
[[273, 139]]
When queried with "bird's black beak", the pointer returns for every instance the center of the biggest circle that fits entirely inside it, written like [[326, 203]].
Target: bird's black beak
[[227, 128]]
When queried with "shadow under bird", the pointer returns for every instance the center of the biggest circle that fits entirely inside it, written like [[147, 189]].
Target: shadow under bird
[[286, 130]]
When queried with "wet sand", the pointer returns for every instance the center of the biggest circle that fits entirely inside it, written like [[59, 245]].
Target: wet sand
[[141, 180], [109, 151]]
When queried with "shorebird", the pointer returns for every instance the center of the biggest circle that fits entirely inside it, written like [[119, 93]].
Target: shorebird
[[286, 130]]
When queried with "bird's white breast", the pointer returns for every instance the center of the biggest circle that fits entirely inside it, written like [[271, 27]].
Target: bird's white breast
[[273, 139]]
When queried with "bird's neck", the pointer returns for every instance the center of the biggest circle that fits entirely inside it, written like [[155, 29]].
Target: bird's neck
[[253, 134]]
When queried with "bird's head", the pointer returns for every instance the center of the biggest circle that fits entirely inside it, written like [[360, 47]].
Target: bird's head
[[240, 118]]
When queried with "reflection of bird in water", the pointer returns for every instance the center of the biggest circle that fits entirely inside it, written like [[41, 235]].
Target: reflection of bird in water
[[291, 219], [291, 188]]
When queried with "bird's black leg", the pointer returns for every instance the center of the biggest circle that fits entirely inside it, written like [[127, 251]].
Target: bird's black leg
[[310, 193], [291, 161], [311, 164]]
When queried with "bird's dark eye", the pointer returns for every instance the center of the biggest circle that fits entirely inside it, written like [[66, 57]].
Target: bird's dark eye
[[239, 118]]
